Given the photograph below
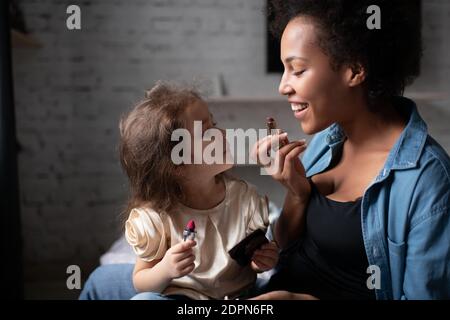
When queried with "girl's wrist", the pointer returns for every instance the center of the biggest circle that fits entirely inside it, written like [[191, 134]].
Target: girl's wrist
[[164, 271]]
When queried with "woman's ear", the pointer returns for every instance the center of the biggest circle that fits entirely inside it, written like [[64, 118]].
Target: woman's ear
[[355, 75]]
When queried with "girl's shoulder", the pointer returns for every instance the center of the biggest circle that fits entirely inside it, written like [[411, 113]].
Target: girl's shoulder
[[146, 214], [147, 233]]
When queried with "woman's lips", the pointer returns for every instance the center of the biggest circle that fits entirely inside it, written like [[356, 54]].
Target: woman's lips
[[299, 109]]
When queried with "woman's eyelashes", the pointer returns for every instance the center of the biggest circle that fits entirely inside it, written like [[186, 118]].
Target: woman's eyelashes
[[299, 73]]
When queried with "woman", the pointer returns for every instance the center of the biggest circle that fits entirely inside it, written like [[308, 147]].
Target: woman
[[367, 211]]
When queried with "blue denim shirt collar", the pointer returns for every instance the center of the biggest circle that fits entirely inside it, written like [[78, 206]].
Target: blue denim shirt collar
[[408, 148]]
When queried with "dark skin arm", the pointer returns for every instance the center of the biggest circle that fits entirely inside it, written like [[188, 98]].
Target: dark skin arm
[[289, 171]]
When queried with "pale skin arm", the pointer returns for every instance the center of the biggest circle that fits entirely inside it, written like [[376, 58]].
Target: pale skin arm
[[156, 275], [150, 276]]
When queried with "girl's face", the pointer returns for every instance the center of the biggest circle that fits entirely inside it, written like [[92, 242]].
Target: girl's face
[[319, 95], [198, 111]]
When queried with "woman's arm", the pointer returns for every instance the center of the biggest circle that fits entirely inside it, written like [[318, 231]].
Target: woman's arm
[[284, 295], [290, 224], [287, 169]]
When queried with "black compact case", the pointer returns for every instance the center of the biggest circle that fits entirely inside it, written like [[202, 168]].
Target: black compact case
[[243, 251]]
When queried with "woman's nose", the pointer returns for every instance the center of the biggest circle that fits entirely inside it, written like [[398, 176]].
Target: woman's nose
[[284, 88]]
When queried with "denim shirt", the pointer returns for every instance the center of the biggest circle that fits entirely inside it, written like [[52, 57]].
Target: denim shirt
[[405, 211]]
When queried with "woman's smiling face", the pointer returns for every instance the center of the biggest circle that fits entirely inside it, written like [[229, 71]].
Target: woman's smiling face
[[319, 95]]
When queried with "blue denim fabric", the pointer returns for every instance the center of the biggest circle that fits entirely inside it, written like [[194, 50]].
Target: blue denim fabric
[[110, 282], [405, 212], [158, 296], [115, 282]]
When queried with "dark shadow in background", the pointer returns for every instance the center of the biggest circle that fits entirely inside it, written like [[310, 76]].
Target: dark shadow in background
[[11, 241]]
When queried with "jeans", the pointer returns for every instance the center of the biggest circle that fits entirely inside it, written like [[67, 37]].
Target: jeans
[[158, 296], [115, 282], [110, 282]]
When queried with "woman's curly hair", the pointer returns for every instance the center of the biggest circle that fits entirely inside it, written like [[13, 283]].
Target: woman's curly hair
[[390, 55]]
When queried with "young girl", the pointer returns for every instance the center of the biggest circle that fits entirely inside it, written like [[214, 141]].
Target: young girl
[[165, 196]]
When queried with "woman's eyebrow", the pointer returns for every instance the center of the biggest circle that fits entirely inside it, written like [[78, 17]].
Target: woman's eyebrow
[[289, 59]]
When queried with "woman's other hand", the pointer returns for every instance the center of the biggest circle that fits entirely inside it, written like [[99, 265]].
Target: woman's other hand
[[284, 295]]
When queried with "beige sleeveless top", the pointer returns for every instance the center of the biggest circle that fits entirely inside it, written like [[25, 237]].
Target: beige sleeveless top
[[216, 275]]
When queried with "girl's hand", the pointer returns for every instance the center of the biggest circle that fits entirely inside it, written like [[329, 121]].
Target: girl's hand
[[284, 295], [286, 167], [179, 259], [265, 258]]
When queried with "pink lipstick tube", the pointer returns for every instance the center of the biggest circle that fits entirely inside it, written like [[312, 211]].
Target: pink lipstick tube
[[189, 231]]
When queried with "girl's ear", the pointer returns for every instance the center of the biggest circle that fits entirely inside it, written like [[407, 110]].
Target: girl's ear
[[355, 75]]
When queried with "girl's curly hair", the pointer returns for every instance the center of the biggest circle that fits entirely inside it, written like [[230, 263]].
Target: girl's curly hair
[[145, 146]]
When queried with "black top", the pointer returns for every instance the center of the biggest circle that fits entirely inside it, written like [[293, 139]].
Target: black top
[[330, 261]]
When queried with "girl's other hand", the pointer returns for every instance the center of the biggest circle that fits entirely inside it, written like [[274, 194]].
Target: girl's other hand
[[265, 258]]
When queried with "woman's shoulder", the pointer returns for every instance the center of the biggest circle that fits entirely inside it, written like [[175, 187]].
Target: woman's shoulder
[[435, 157], [431, 173], [427, 184]]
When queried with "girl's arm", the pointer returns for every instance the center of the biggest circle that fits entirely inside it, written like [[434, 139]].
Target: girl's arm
[[150, 276], [156, 275]]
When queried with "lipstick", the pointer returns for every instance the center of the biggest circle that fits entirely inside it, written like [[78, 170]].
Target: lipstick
[[271, 125], [189, 231]]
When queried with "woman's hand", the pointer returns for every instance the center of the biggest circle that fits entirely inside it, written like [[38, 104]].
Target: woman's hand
[[265, 258], [179, 260], [286, 167], [284, 295]]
